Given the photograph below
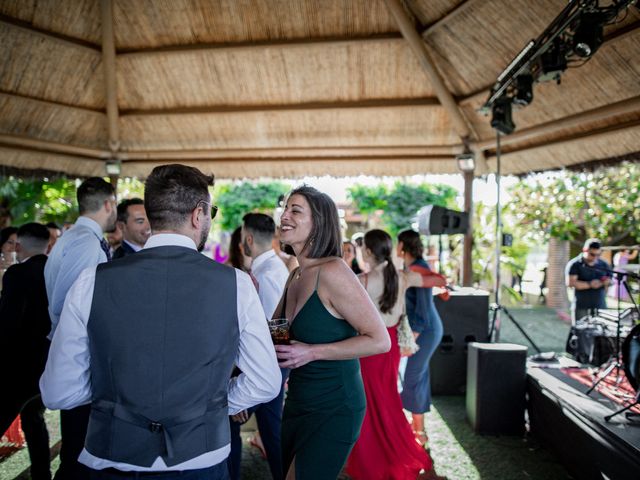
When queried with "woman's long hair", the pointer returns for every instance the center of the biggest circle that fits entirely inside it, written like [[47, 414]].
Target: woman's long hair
[[325, 239], [380, 244], [236, 258]]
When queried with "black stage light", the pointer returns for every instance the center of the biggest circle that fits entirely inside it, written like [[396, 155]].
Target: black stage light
[[553, 62], [501, 118], [524, 90], [588, 35]]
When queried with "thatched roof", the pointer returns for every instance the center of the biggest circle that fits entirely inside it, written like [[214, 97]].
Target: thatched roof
[[249, 88]]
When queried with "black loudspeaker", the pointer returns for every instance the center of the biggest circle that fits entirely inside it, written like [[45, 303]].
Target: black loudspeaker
[[434, 220], [465, 319], [496, 386]]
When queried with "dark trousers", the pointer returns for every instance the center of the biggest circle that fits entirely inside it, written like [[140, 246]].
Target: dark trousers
[[269, 419], [73, 429], [217, 472], [35, 431]]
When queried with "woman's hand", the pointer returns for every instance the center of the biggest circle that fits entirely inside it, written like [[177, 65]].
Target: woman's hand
[[295, 355]]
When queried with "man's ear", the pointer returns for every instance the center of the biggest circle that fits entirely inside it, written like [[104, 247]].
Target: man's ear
[[196, 220]]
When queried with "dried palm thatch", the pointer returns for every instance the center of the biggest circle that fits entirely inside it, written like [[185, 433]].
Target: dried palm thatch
[[254, 88]]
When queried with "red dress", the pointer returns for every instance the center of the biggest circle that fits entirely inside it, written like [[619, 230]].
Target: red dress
[[386, 448]]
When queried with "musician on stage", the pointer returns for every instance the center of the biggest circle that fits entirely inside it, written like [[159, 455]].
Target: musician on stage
[[589, 275]]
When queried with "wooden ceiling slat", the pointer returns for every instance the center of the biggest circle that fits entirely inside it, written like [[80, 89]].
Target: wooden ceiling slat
[[149, 23], [47, 146], [340, 72], [49, 69]]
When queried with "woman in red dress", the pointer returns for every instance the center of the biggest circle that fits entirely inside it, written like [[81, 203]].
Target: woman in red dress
[[387, 448]]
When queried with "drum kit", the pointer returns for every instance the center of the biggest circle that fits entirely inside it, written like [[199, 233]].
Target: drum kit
[[614, 334]]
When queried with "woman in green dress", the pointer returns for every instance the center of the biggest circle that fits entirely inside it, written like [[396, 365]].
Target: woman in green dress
[[333, 322]]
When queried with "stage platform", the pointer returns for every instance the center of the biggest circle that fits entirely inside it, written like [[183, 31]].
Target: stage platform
[[571, 424]]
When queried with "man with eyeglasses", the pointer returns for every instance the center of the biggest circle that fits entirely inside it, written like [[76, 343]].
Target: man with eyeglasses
[[149, 342], [589, 276]]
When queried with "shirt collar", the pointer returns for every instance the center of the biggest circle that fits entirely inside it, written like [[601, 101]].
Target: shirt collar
[[91, 225], [262, 258], [170, 239], [133, 246]]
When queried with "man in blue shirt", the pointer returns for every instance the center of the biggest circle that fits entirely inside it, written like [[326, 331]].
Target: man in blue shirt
[[81, 247], [590, 277]]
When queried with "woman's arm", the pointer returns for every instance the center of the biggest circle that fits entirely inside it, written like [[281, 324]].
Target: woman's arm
[[425, 278], [349, 299]]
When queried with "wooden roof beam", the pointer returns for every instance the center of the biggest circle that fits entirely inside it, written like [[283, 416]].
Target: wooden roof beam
[[257, 45], [49, 103], [458, 9], [461, 125], [420, 50], [109, 64], [39, 32], [605, 112], [307, 152], [305, 159], [373, 103]]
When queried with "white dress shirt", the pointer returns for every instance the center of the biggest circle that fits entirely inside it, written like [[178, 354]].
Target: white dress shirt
[[271, 274], [66, 381]]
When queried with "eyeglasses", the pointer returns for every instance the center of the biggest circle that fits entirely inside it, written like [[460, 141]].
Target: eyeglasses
[[214, 208]]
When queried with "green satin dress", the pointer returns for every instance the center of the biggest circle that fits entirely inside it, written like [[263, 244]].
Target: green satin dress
[[325, 403]]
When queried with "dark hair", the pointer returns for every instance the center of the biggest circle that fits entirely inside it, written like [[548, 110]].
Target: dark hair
[[325, 239], [592, 243], [123, 208], [381, 246], [5, 233], [236, 258], [260, 225], [92, 193], [172, 192], [52, 225], [34, 236], [411, 243]]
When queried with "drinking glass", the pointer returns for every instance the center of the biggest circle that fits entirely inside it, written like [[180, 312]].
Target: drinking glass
[[279, 329]]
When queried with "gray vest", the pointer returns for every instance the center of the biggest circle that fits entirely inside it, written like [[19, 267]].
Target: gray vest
[[163, 337]]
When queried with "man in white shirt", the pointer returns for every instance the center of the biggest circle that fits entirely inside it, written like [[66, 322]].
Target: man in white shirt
[[150, 341], [271, 275], [82, 246]]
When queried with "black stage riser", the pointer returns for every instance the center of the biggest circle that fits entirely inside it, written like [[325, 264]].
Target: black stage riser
[[589, 448]]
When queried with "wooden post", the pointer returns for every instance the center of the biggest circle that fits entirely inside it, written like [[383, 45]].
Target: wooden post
[[467, 257], [109, 64]]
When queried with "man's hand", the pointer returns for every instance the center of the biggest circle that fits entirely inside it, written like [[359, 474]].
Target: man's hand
[[240, 417], [595, 283]]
